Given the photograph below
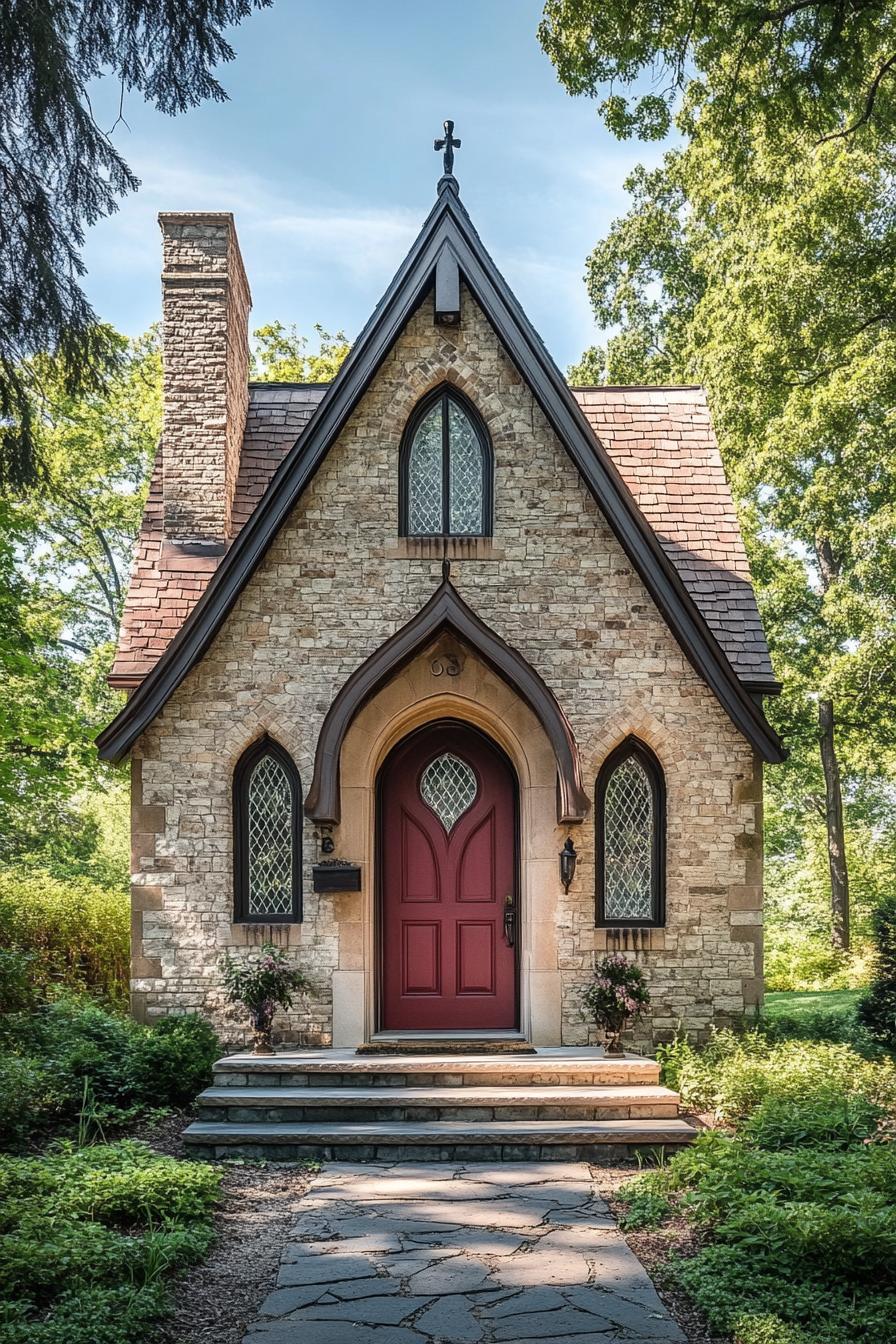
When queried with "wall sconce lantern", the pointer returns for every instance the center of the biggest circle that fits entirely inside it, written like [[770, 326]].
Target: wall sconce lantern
[[568, 857]]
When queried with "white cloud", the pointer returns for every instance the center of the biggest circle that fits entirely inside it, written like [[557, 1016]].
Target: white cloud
[[336, 235]]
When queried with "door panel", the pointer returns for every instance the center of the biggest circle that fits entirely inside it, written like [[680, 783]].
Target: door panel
[[447, 866], [475, 958], [419, 869], [477, 876], [421, 959]]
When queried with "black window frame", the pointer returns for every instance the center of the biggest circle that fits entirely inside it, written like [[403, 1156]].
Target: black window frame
[[443, 395], [632, 746], [242, 775]]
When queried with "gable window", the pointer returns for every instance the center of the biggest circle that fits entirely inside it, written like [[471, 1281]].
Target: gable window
[[446, 470], [267, 838], [630, 816]]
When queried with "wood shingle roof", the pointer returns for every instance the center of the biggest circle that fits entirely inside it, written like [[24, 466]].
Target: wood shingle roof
[[660, 439]]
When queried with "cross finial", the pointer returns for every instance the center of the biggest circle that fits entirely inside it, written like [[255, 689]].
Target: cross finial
[[449, 145]]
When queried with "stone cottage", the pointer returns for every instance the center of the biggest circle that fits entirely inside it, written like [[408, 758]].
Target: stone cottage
[[447, 676]]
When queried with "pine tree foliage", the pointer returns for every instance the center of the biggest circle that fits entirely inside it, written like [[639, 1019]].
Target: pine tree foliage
[[60, 172]]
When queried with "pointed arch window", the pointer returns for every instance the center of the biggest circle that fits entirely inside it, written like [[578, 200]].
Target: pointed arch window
[[630, 817], [446, 470], [267, 836]]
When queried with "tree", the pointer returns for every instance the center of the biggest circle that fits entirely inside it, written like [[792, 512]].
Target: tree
[[66, 546], [774, 289], [808, 69], [60, 172], [282, 354], [82, 518], [64, 566]]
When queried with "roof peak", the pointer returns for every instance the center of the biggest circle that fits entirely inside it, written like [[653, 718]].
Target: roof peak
[[448, 232]]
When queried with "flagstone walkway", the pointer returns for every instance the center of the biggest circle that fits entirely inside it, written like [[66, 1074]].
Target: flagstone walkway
[[459, 1253]]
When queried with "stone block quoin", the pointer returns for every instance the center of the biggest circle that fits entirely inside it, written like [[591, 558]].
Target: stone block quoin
[[205, 331]]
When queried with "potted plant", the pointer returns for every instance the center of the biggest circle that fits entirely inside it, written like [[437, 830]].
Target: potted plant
[[616, 996], [262, 987]]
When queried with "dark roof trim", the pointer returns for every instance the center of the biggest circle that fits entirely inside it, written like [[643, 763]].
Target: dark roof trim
[[447, 225], [445, 610], [637, 387]]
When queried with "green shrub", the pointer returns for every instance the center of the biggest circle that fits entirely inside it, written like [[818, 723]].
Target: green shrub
[[18, 988], [828, 1025], [174, 1059], [737, 1071], [77, 930], [127, 1182], [25, 1094], [797, 958], [877, 1012], [779, 1122], [74, 1049], [88, 1236], [852, 1241], [877, 1008]]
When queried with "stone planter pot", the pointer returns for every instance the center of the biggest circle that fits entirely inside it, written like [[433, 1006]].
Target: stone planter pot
[[613, 1043], [262, 1041]]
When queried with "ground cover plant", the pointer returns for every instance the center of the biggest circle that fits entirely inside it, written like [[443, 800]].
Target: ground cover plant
[[90, 1236], [793, 1202]]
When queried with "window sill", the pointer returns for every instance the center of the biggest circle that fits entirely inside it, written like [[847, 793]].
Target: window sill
[[254, 933], [630, 938], [451, 548]]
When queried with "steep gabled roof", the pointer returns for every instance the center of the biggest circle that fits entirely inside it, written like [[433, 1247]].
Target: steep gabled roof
[[660, 438], [448, 230]]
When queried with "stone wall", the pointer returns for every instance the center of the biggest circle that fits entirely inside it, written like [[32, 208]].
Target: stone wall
[[205, 309], [555, 584]]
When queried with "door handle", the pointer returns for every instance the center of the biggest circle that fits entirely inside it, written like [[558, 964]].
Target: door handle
[[509, 920]]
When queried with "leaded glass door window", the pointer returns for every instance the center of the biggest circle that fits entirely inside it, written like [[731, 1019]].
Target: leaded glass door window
[[267, 839], [630, 820], [448, 787], [445, 470]]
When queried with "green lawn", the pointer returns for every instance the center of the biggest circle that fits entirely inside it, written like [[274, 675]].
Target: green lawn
[[799, 1003]]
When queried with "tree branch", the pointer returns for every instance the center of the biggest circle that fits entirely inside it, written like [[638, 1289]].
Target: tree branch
[[869, 104]]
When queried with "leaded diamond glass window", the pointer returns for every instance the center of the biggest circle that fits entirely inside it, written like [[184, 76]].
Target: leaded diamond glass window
[[270, 839], [267, 849], [448, 786], [447, 473], [631, 826], [464, 473], [425, 476]]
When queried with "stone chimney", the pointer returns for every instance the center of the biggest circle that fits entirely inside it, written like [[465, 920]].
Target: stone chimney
[[205, 334]]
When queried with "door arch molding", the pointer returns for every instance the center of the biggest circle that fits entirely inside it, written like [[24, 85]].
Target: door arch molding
[[445, 610]]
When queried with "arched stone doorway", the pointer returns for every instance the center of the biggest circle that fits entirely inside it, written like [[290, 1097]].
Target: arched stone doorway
[[475, 695]]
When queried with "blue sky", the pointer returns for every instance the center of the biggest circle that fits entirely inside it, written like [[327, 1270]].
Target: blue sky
[[324, 155]]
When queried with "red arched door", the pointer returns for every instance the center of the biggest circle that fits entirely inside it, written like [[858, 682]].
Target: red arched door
[[448, 883]]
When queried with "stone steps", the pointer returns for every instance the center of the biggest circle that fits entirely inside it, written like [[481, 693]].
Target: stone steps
[[278, 1105], [436, 1141], [563, 1104], [343, 1068]]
